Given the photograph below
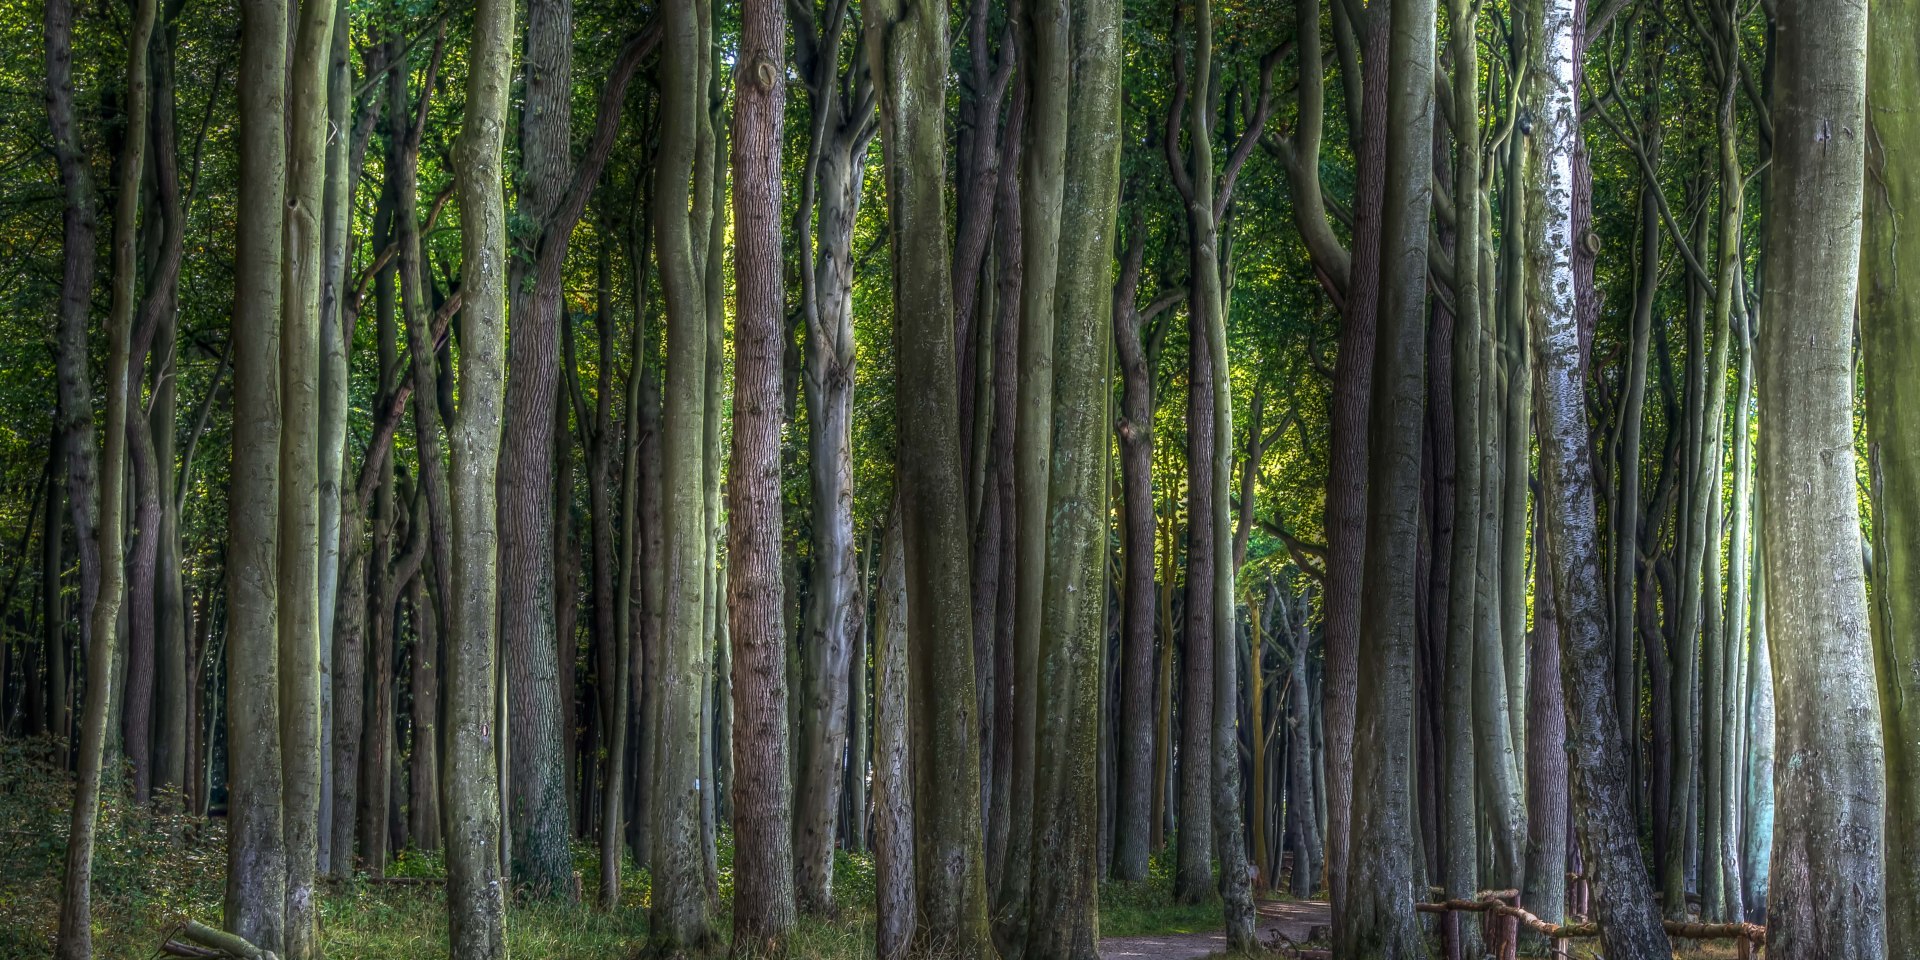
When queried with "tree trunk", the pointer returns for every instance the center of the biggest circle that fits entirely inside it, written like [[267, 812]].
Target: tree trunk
[[1757, 845], [907, 50], [892, 783], [1622, 895], [1891, 349], [1378, 913], [1545, 893], [1044, 34], [1348, 475], [763, 801], [1134, 429], [74, 389], [256, 846], [1081, 41], [75, 940], [349, 696], [299, 517], [1827, 849], [1471, 398], [475, 891], [335, 324], [679, 914], [423, 762], [537, 795]]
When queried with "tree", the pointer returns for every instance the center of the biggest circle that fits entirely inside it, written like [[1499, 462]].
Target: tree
[[1623, 896], [906, 46], [476, 902], [685, 197], [299, 514], [1379, 916], [1138, 334], [75, 940], [537, 797], [1889, 346], [1085, 39], [256, 841], [1829, 778], [763, 797], [841, 126], [894, 888]]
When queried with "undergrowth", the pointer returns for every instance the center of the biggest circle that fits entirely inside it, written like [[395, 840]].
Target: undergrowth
[[154, 869]]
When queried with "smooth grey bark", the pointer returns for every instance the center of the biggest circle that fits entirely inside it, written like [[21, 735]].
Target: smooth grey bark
[[423, 760], [256, 850], [75, 939], [841, 126], [476, 902], [336, 201], [1756, 846], [1827, 898], [303, 267], [1458, 840], [679, 924]]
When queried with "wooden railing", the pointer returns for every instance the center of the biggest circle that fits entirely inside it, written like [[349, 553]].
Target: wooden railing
[[1502, 917]]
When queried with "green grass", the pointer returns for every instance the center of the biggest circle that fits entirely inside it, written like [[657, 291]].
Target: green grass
[[153, 870]]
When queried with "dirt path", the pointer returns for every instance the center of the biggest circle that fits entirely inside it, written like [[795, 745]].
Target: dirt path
[[1280, 922]]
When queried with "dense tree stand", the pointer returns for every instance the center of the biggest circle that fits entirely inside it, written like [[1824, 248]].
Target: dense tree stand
[[1341, 478]]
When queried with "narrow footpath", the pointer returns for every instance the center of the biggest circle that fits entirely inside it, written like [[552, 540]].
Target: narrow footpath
[[1281, 922]]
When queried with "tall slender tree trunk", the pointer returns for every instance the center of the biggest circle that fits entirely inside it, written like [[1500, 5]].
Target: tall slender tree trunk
[[1378, 913], [679, 914], [1046, 79], [303, 267], [1458, 841], [1829, 899], [256, 845], [1134, 430], [423, 761], [1757, 844], [763, 800], [1063, 913], [536, 777], [892, 767], [906, 46], [335, 324], [75, 940], [1892, 350], [74, 388], [1545, 890], [1622, 894], [475, 890], [1348, 473]]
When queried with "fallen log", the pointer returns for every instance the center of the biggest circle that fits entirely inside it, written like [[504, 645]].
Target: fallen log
[[192, 938]]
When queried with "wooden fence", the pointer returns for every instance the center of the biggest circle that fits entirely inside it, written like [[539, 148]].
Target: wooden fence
[[1502, 917]]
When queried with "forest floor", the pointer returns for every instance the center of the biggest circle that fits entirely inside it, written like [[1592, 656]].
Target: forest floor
[[153, 870], [1283, 924]]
